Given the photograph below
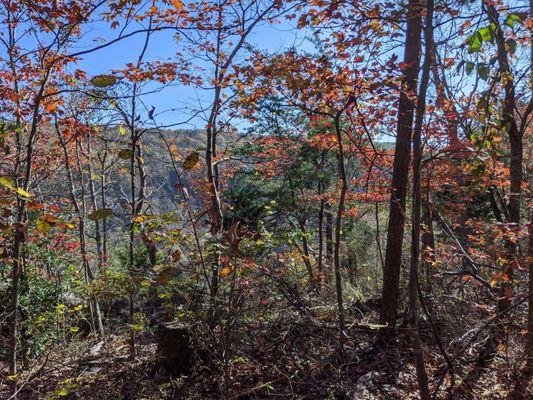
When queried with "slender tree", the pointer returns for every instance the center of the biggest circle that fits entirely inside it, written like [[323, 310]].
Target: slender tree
[[400, 170], [416, 207]]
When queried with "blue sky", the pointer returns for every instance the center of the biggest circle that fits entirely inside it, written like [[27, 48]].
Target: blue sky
[[171, 102]]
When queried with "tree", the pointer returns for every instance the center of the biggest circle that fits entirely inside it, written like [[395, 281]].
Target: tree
[[400, 171], [416, 205]]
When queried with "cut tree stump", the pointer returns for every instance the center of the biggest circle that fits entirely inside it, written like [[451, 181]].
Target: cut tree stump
[[174, 349]]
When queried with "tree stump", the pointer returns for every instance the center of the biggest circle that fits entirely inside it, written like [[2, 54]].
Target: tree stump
[[174, 349]]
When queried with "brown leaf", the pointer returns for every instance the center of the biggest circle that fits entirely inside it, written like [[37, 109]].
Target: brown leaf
[[176, 255]]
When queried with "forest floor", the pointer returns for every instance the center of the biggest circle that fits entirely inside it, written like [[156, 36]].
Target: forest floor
[[293, 358]]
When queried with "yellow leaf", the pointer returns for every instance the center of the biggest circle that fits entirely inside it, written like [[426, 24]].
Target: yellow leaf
[[12, 378], [376, 326], [140, 218], [43, 226], [102, 81], [23, 193], [121, 130], [9, 183], [226, 271], [136, 327], [74, 329]]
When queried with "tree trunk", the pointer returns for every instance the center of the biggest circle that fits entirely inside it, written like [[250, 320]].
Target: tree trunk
[[306, 254], [21, 229], [418, 351], [352, 269], [15, 300], [400, 172], [320, 234], [338, 228], [428, 244], [529, 343], [329, 231], [92, 192], [515, 167], [94, 307]]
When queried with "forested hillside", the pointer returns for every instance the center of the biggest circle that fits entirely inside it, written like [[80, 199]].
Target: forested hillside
[[263, 199]]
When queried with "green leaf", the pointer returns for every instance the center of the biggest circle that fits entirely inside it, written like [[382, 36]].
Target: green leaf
[[474, 43], [478, 169], [512, 19], [100, 214], [503, 125], [103, 80], [511, 45], [486, 34], [469, 67], [483, 71]]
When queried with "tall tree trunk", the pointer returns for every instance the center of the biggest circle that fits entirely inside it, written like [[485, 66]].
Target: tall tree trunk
[[81, 211], [418, 351], [19, 240], [94, 307], [428, 243], [215, 205], [306, 254], [515, 165], [352, 269], [103, 204], [320, 232], [131, 248], [329, 231], [92, 193], [136, 193], [338, 228], [400, 172], [529, 342], [21, 228]]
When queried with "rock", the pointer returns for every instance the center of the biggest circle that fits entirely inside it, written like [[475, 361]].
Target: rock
[[96, 349], [174, 350]]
